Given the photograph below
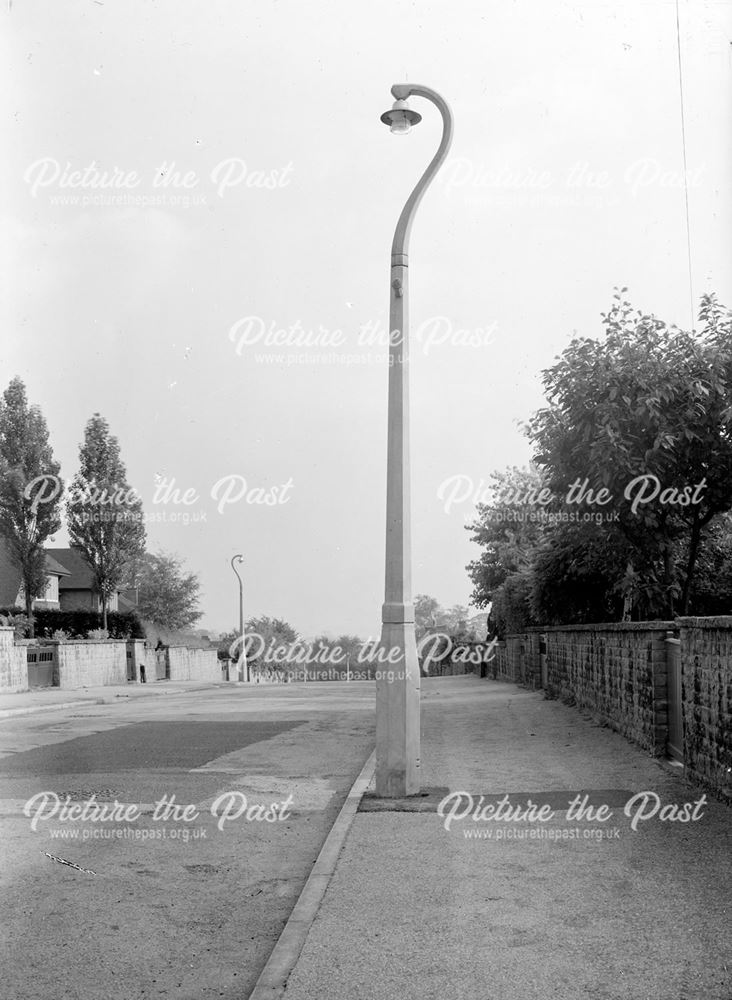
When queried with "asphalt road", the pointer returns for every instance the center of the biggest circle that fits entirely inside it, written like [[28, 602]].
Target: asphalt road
[[224, 798]]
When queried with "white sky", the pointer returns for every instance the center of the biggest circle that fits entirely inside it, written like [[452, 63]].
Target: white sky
[[127, 309]]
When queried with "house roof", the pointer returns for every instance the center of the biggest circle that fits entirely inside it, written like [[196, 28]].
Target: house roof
[[55, 568], [79, 574], [124, 603], [10, 575]]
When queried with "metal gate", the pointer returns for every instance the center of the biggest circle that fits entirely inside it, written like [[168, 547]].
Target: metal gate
[[130, 666], [40, 666], [675, 741]]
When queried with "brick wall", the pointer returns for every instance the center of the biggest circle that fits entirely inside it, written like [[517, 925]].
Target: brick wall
[[188, 664], [706, 695], [13, 662], [91, 662]]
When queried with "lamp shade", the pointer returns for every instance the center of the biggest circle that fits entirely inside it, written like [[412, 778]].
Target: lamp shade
[[400, 118]]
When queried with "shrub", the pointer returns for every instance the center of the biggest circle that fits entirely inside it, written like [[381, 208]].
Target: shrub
[[16, 620]]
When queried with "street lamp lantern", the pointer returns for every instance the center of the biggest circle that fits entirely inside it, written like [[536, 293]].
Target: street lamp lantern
[[398, 687], [400, 118]]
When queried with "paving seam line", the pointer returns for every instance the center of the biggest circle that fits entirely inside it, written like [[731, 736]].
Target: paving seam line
[[8, 713], [273, 978]]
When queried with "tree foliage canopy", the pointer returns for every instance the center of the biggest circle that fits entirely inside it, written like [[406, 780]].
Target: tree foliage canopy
[[637, 433], [30, 488], [103, 512], [166, 594]]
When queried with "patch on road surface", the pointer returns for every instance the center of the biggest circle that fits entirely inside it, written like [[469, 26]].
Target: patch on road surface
[[308, 794], [425, 801], [82, 794], [181, 744]]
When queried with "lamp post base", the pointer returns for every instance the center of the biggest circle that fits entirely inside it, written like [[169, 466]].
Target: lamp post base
[[397, 713]]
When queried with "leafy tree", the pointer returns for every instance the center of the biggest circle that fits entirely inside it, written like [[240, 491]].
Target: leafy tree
[[167, 594], [336, 656], [711, 593], [425, 611], [449, 627], [455, 618], [508, 530], [104, 514], [577, 575], [647, 401], [351, 645], [228, 645], [30, 489], [265, 635], [430, 616], [511, 606], [650, 401]]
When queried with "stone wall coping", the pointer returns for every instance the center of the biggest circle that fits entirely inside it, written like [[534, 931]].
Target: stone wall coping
[[654, 626], [689, 621], [717, 621], [78, 642], [180, 645]]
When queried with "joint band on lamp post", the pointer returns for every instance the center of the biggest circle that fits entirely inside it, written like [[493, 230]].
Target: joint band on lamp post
[[398, 690]]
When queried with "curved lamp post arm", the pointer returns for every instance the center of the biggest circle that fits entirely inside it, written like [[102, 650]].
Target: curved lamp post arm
[[238, 559], [402, 91]]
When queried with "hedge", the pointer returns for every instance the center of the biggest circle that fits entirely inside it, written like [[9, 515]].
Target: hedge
[[78, 624]]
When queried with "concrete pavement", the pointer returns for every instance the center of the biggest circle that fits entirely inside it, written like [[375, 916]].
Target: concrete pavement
[[45, 699], [630, 902]]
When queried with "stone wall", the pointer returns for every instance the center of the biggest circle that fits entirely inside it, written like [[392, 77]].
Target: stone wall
[[13, 662], [706, 695], [90, 662], [188, 664], [139, 654], [97, 662], [517, 659], [616, 671], [620, 673]]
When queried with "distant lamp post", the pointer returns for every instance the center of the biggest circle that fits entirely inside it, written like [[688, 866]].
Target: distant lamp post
[[397, 700], [243, 668]]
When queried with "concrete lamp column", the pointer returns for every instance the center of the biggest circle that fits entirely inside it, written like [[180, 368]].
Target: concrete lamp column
[[242, 668], [398, 683]]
